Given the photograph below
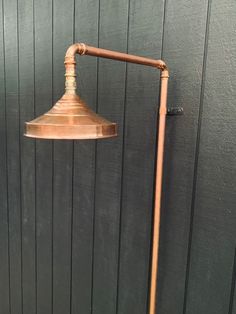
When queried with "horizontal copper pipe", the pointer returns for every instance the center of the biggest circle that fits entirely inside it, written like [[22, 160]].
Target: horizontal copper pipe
[[82, 49], [104, 53]]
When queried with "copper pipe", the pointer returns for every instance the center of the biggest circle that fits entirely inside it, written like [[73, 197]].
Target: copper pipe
[[82, 49], [70, 64], [115, 55], [158, 190]]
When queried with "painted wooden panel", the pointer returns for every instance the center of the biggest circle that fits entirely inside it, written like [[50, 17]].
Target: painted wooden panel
[[212, 259], [4, 216], [43, 161], [27, 153], [13, 146], [75, 217], [183, 48]]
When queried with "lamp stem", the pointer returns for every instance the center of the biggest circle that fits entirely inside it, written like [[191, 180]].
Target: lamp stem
[[158, 191], [70, 66]]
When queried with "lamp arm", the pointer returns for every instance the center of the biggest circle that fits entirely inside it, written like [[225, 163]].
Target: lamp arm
[[70, 85], [82, 49]]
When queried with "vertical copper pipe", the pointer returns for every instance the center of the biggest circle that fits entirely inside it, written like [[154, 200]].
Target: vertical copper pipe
[[158, 190], [70, 65]]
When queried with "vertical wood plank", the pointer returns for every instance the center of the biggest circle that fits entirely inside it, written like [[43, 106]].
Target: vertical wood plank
[[13, 152], [4, 241], [145, 38], [86, 30], [111, 96], [63, 23], [44, 169], [183, 49], [26, 103], [213, 239]]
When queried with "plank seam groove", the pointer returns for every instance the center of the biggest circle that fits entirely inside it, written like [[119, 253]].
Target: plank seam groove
[[52, 143], [35, 169], [20, 159], [122, 161], [72, 191], [6, 154], [95, 166]]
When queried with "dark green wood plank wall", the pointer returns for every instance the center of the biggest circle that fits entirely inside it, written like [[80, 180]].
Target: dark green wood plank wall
[[43, 161], [4, 216], [211, 274], [75, 217]]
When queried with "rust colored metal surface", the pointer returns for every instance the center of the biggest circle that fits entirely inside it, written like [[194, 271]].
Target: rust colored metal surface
[[158, 190], [71, 118], [115, 55]]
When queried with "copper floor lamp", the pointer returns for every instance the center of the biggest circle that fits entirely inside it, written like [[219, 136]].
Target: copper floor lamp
[[71, 118]]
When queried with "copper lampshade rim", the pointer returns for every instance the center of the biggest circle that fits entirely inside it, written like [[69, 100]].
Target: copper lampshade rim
[[63, 125], [70, 118], [70, 132], [70, 138], [73, 131]]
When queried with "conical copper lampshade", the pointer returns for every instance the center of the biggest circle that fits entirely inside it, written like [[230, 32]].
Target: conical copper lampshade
[[70, 118]]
